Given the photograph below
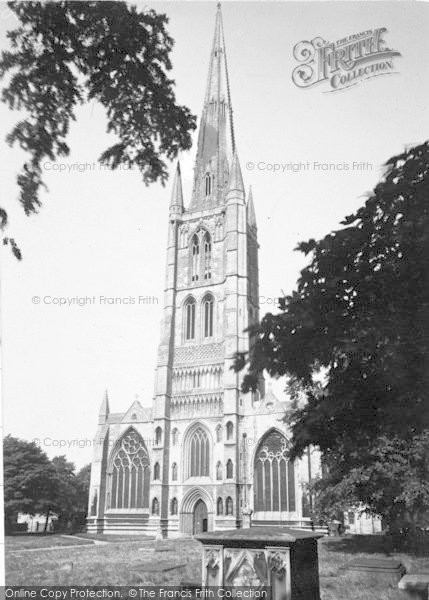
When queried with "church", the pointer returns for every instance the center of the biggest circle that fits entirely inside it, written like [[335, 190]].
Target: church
[[205, 456]]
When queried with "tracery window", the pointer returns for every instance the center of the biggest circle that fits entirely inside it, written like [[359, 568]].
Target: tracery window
[[274, 475], [219, 506], [129, 480], [190, 319], [198, 453], [208, 303]]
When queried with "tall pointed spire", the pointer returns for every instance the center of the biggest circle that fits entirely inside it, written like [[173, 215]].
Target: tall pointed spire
[[251, 216], [216, 133], [104, 409], [176, 202]]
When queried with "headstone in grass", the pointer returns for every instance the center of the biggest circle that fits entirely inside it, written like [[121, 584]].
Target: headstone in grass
[[158, 566], [384, 569], [415, 587], [165, 546]]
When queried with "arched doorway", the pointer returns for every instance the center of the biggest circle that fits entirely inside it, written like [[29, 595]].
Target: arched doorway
[[200, 517], [196, 511]]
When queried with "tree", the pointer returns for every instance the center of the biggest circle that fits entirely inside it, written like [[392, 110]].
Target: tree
[[82, 493], [66, 489], [354, 337], [72, 493], [30, 483], [64, 53]]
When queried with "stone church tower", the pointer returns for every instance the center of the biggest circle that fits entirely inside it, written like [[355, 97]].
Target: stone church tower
[[205, 454]]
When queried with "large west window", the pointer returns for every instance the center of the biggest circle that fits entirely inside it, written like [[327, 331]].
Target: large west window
[[274, 475], [197, 455], [130, 476]]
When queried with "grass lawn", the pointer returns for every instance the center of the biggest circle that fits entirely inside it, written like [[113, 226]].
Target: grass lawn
[[115, 563], [23, 542]]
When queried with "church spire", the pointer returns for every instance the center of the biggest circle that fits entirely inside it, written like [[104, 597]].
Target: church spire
[[216, 132], [251, 216], [176, 202], [104, 409]]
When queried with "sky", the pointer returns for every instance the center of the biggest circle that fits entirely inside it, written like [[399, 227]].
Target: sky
[[101, 233]]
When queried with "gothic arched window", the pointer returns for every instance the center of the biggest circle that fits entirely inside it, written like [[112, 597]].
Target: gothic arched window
[[174, 472], [207, 256], [190, 319], [173, 506], [229, 430], [219, 433], [158, 436], [274, 475], [157, 471], [129, 480], [174, 436], [195, 266], [219, 471], [198, 453], [155, 506], [219, 506], [208, 303], [208, 184], [229, 469], [229, 506]]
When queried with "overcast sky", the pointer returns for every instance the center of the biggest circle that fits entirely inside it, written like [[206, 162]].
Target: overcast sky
[[104, 233]]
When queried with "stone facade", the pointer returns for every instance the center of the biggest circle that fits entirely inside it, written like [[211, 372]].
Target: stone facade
[[205, 452]]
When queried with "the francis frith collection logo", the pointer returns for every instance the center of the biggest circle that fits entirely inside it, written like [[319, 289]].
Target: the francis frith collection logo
[[343, 63]]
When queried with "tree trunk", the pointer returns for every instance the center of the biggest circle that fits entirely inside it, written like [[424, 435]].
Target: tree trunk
[[47, 520]]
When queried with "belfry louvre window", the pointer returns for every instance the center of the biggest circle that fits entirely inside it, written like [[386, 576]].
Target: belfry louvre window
[[195, 258], [130, 477], [274, 475], [208, 316], [190, 319], [198, 455], [207, 256]]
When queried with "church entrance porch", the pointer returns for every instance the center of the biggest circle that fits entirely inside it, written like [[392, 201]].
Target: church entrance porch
[[200, 521], [196, 512]]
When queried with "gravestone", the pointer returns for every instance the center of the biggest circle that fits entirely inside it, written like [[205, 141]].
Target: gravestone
[[415, 587], [384, 569], [280, 558]]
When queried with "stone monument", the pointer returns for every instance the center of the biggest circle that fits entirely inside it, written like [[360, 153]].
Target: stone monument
[[279, 558]]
